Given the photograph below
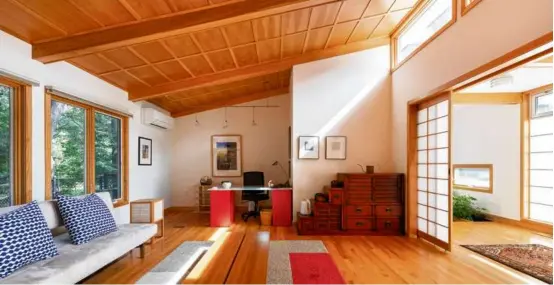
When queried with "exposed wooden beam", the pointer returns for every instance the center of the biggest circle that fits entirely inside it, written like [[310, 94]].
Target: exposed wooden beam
[[252, 71], [149, 30], [231, 102], [487, 98]]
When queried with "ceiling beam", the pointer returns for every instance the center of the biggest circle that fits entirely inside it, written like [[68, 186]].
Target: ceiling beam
[[251, 71], [150, 30], [231, 101]]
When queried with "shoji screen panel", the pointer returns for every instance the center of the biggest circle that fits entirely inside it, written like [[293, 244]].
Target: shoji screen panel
[[433, 175]]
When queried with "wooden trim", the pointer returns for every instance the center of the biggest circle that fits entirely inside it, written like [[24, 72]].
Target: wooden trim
[[433, 240], [539, 90], [473, 188], [524, 156], [467, 7], [22, 133], [524, 223], [471, 77], [406, 22], [487, 98], [138, 94], [163, 27], [90, 112]]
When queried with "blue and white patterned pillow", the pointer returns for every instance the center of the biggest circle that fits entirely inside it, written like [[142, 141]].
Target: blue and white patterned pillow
[[86, 218], [24, 238]]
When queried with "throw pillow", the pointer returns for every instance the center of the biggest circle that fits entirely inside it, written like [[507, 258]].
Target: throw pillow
[[24, 238], [86, 218]]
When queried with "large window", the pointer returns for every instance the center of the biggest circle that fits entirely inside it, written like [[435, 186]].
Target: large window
[[15, 143], [541, 159], [473, 177], [426, 22], [87, 151]]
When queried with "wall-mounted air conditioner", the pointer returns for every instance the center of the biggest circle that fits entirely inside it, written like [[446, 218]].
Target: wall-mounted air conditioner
[[153, 117]]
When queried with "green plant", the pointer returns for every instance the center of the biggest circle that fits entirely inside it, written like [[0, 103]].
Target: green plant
[[465, 208]]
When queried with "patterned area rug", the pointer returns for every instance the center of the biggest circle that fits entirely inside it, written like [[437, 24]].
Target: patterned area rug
[[281, 270], [172, 268], [531, 259]]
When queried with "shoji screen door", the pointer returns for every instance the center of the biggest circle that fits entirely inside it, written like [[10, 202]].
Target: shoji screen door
[[433, 175]]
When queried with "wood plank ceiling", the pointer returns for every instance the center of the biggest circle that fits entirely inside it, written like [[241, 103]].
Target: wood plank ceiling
[[221, 62]]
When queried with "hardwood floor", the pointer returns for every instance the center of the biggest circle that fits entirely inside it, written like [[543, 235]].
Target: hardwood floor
[[239, 254]]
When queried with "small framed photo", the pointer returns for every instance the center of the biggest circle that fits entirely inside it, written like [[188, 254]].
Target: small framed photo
[[308, 147], [144, 151], [335, 147]]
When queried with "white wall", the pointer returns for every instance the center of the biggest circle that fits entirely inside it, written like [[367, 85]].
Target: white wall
[[261, 145], [144, 181], [491, 29], [348, 96], [490, 134]]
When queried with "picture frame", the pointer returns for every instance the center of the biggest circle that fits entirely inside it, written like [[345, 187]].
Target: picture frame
[[335, 147], [308, 147], [226, 155], [144, 151]]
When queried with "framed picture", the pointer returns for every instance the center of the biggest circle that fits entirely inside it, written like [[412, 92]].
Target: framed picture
[[226, 156], [335, 147], [308, 147], [144, 151]]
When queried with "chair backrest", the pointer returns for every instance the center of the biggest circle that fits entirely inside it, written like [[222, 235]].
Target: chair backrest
[[253, 178]]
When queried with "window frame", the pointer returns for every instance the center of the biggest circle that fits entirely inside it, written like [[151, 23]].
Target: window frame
[[474, 188], [466, 7], [22, 130], [527, 114], [90, 180], [406, 23]]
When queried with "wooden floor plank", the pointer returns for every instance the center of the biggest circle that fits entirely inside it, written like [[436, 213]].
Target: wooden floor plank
[[252, 257]]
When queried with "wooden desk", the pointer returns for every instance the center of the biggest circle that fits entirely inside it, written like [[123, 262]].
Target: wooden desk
[[222, 205]]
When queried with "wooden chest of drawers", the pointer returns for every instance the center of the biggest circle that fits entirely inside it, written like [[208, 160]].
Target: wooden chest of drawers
[[326, 219]]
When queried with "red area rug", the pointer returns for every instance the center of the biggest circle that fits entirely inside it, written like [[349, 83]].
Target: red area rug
[[532, 259], [314, 268]]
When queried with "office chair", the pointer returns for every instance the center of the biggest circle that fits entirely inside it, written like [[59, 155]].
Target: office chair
[[253, 179]]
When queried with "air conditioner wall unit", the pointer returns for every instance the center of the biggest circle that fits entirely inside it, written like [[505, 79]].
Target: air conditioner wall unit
[[153, 117]]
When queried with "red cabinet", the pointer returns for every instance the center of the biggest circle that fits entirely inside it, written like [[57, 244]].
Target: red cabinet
[[222, 208]]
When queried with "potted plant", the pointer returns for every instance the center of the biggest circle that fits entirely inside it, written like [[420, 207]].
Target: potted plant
[[465, 208]]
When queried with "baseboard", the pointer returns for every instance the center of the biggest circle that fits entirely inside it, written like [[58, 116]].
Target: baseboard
[[526, 224], [181, 209]]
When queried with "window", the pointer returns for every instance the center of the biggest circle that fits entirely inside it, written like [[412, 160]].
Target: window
[[426, 22], [468, 5], [473, 177], [87, 150], [15, 146], [541, 164]]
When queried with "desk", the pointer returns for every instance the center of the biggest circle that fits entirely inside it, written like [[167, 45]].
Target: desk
[[222, 205]]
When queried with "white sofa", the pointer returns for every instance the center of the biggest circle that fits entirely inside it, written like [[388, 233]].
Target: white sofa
[[75, 262]]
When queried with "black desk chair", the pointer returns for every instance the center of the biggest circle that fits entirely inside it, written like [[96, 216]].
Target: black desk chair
[[254, 179]]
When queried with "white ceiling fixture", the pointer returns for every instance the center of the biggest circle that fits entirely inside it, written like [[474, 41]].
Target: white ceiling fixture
[[502, 80]]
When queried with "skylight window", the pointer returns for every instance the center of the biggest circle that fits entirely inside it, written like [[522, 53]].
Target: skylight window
[[430, 19]]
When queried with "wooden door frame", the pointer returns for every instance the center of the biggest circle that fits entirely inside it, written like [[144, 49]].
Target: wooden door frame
[[508, 61]]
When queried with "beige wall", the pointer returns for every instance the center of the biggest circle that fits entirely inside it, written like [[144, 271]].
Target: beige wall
[[261, 145], [491, 29], [348, 96]]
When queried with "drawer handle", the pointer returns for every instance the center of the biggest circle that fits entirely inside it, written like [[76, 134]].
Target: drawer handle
[[388, 224], [359, 224], [388, 209], [358, 210]]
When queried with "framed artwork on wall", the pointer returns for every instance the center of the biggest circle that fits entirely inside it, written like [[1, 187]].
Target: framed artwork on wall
[[335, 147], [226, 155], [144, 151], [308, 147]]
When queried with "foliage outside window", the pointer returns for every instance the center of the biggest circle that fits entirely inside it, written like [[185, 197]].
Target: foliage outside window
[[541, 158], [87, 150], [426, 22], [6, 186], [473, 177]]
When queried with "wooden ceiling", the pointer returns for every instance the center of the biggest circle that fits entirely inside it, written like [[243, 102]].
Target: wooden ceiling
[[188, 56]]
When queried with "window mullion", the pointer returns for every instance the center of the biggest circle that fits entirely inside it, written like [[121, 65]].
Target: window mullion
[[90, 159]]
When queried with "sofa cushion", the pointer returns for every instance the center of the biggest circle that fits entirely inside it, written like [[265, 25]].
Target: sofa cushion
[[24, 238], [75, 262], [86, 218]]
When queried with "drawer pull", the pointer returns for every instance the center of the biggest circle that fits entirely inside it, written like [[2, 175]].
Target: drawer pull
[[388, 224], [359, 224], [388, 209], [358, 210]]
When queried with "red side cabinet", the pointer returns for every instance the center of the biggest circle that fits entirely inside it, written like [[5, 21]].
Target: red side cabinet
[[222, 208]]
